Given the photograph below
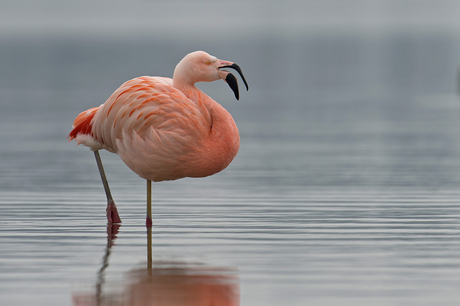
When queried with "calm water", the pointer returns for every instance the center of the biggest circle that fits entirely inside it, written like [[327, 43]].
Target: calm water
[[346, 189]]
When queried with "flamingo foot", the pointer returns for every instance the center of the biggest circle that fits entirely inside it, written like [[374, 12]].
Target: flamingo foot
[[148, 222], [112, 213]]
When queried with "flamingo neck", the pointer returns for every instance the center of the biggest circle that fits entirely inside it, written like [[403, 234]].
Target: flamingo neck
[[220, 145], [222, 142], [182, 78]]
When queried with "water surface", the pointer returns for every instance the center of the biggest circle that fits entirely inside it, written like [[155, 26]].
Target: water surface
[[345, 190]]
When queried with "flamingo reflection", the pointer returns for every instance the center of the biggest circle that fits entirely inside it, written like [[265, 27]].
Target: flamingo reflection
[[163, 283]]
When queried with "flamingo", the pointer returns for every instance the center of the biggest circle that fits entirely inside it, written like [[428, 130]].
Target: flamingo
[[162, 128]]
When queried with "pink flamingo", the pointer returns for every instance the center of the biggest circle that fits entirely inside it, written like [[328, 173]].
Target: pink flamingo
[[163, 128]]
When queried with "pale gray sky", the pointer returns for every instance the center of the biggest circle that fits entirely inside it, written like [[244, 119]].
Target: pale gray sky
[[206, 17]]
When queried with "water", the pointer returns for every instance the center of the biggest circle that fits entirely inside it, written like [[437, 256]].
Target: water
[[345, 190]]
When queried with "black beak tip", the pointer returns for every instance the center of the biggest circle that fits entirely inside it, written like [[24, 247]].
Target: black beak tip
[[233, 79], [233, 83]]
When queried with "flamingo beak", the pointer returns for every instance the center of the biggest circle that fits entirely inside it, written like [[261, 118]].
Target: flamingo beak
[[231, 79]]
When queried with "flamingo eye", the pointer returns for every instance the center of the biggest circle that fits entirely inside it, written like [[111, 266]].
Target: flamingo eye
[[207, 63]]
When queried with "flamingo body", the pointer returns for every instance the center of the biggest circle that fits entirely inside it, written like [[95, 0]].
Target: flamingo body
[[161, 131]]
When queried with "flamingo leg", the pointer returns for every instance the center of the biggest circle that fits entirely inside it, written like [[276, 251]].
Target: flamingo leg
[[149, 251], [148, 221], [112, 211]]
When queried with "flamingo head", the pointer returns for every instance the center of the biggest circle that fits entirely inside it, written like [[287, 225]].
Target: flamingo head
[[199, 66]]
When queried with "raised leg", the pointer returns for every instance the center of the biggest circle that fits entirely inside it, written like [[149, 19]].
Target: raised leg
[[112, 211], [148, 221]]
